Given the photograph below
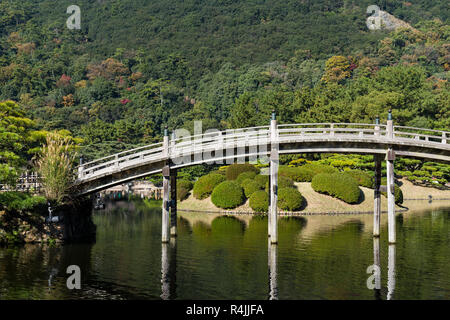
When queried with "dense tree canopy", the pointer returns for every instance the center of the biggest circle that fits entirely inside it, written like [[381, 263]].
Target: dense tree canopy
[[136, 66]]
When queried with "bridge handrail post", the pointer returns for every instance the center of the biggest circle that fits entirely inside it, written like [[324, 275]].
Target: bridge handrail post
[[172, 143], [81, 169], [390, 126], [166, 142], [377, 126], [332, 129], [444, 138], [116, 163]]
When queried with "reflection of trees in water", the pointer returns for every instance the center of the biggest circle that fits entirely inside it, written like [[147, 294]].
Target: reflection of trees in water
[[183, 226], [226, 259], [227, 225], [422, 253], [39, 271], [122, 222], [323, 267]]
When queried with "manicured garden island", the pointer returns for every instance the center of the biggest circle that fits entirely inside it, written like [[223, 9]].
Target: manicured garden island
[[231, 187]]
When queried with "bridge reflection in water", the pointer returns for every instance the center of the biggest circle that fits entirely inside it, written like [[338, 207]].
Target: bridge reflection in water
[[169, 270], [227, 258]]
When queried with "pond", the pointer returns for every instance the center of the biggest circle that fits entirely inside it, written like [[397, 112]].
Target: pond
[[228, 257]]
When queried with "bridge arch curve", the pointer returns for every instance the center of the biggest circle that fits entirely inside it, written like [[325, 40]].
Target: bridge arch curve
[[249, 144]]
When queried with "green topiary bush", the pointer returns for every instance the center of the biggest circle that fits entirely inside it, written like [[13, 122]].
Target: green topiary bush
[[182, 194], [398, 194], [245, 175], [250, 186], [228, 195], [262, 180], [183, 188], [259, 201], [319, 168], [290, 199], [283, 182], [205, 185], [297, 174], [338, 185], [185, 184], [362, 178], [236, 169]]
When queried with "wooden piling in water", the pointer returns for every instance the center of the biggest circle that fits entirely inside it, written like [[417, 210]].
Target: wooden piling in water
[[274, 163], [377, 197], [391, 195], [390, 157], [165, 233], [173, 202]]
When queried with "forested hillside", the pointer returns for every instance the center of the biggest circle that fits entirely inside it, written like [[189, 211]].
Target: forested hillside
[[138, 65]]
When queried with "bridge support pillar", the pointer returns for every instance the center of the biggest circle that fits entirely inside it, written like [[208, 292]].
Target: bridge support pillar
[[165, 235], [274, 163], [377, 197], [390, 157], [173, 201]]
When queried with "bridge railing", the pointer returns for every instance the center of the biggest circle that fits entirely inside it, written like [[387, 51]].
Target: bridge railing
[[420, 134], [113, 162], [256, 136], [219, 140], [314, 130]]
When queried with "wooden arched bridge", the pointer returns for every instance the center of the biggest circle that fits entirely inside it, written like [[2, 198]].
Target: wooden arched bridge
[[265, 144]]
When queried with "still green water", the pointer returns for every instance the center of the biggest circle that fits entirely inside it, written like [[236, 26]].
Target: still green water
[[229, 258]]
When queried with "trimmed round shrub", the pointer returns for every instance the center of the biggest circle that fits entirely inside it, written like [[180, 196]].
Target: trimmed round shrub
[[185, 184], [183, 188], [205, 185], [283, 182], [297, 174], [338, 185], [259, 201], [398, 194], [290, 199], [319, 168], [362, 178], [250, 186], [236, 169], [228, 195], [262, 180], [245, 175], [182, 194], [221, 172]]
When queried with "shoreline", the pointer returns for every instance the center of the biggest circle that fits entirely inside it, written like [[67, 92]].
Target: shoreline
[[415, 198], [327, 213]]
